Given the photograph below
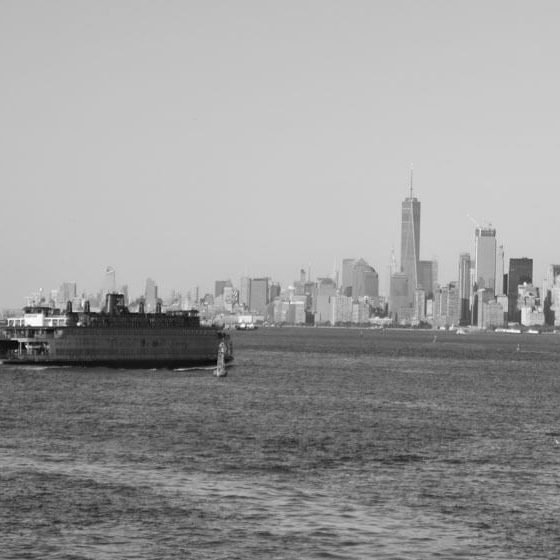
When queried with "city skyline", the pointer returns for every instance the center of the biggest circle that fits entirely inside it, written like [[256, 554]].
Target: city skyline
[[188, 142]]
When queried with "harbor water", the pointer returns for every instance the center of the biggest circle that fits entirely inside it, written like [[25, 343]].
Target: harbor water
[[320, 443]]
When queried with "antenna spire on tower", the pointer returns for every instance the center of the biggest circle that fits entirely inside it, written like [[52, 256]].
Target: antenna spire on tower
[[411, 179]]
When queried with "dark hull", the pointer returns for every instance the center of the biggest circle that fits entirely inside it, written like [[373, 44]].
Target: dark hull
[[114, 363]]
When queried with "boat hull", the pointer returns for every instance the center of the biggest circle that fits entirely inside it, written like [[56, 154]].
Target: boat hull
[[115, 364], [140, 348]]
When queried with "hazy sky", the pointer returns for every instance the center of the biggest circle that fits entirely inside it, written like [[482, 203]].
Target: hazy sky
[[204, 140]]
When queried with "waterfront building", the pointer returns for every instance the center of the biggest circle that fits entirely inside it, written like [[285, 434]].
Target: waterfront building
[[288, 312], [555, 302], [296, 312], [483, 297], [551, 276], [280, 311], [323, 290], [532, 317], [528, 305], [341, 309], [520, 272], [492, 315], [485, 258], [551, 307], [504, 302], [361, 311], [430, 311], [420, 305], [446, 305]]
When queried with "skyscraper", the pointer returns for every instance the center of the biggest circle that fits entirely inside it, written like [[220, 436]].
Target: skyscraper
[[520, 272], [150, 295], [219, 286], [485, 258], [347, 268], [404, 284], [365, 281], [551, 295], [410, 239], [552, 272], [245, 291], [427, 276], [402, 309], [499, 290], [259, 295], [464, 288]]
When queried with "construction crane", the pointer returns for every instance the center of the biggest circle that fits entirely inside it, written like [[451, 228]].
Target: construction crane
[[477, 225]]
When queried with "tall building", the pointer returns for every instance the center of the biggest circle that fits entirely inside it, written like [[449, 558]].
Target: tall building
[[520, 272], [485, 258], [427, 276], [274, 291], [67, 292], [347, 272], [420, 305], [324, 290], [365, 281], [259, 296], [464, 288], [245, 291], [219, 286], [550, 293], [402, 310], [500, 288], [299, 285], [410, 239], [552, 273], [110, 282], [150, 296], [446, 305], [401, 304]]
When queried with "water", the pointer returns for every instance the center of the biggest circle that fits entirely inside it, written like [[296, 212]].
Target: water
[[320, 443]]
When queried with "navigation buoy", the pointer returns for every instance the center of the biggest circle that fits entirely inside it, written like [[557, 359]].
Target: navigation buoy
[[221, 370]]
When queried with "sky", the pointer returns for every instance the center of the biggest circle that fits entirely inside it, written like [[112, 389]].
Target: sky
[[192, 141]]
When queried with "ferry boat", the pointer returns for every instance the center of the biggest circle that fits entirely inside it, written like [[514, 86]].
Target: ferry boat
[[114, 337]]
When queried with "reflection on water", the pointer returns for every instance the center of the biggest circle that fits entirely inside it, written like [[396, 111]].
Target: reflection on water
[[320, 443]]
